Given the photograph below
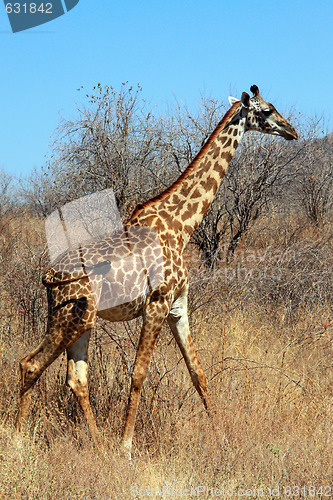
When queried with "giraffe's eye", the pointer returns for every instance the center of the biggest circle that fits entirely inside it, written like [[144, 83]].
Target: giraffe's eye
[[267, 112]]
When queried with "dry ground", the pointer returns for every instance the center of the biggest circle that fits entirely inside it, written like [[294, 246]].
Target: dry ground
[[263, 330]]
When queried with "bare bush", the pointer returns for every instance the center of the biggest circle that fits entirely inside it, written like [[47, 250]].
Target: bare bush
[[255, 182], [6, 200], [314, 187], [112, 144], [285, 281], [23, 258]]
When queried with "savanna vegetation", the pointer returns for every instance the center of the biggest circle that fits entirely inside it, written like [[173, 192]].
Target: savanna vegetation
[[261, 315]]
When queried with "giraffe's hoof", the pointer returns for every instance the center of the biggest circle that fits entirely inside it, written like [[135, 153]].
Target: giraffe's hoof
[[126, 450], [98, 443]]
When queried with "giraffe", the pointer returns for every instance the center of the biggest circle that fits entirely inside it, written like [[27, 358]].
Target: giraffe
[[73, 292]]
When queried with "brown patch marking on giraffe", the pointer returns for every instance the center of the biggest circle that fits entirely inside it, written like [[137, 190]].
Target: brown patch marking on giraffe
[[179, 206], [216, 152], [210, 184], [228, 143], [188, 228], [219, 168], [159, 224], [192, 350], [121, 275], [164, 214], [205, 206], [149, 220], [177, 225], [226, 156], [196, 193], [207, 164], [175, 199], [191, 209], [180, 240]]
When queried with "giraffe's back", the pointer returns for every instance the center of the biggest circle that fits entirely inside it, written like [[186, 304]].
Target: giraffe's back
[[121, 270]]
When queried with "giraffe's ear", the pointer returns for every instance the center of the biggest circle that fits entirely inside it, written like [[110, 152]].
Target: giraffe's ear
[[232, 100]]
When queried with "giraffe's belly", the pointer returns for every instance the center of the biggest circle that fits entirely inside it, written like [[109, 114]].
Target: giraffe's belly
[[125, 311]]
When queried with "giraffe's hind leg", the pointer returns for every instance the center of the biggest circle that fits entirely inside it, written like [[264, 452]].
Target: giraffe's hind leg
[[65, 326], [77, 380], [29, 377], [178, 322], [32, 366]]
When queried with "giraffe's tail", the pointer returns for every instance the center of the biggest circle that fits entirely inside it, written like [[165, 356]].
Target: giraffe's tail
[[56, 278]]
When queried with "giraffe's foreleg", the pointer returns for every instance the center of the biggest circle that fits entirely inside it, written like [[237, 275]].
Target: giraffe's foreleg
[[178, 322], [77, 380], [153, 319]]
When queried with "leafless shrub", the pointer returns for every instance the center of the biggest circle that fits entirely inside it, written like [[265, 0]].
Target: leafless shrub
[[112, 144], [255, 181], [314, 188], [6, 197], [23, 258], [284, 282]]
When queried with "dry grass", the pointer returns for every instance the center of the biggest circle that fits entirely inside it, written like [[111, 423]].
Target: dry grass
[[268, 358]]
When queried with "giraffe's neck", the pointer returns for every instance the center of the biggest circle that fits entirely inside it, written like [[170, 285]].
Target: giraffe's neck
[[183, 206]]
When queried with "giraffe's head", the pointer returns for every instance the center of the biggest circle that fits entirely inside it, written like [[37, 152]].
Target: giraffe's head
[[262, 116]]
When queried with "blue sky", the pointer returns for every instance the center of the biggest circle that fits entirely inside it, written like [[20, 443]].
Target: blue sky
[[173, 49]]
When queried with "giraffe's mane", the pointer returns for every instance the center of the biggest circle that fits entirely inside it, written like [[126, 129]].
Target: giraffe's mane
[[220, 126]]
